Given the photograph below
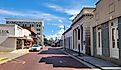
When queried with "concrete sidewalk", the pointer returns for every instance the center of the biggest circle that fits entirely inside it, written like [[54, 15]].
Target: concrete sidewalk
[[97, 62], [5, 57]]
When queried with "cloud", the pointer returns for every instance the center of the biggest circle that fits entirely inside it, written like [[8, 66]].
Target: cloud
[[2, 20], [60, 21], [70, 11], [61, 26], [30, 14], [58, 34]]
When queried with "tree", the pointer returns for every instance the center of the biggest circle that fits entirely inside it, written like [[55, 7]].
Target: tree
[[45, 41], [51, 41]]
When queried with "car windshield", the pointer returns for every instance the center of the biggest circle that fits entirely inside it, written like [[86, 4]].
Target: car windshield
[[36, 46]]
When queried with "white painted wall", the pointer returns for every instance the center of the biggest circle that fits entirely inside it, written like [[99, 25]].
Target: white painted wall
[[8, 40], [67, 35]]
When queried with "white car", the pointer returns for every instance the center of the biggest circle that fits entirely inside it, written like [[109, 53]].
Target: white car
[[36, 47]]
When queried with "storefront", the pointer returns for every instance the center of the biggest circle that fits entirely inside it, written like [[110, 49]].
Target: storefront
[[14, 37]]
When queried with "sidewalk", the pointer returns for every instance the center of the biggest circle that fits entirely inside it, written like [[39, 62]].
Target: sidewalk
[[5, 57], [99, 63]]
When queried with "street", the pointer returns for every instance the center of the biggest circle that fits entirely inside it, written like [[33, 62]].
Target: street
[[50, 58]]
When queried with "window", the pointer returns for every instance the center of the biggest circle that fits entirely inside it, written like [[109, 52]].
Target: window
[[18, 24], [32, 25], [38, 25], [38, 29], [38, 33]]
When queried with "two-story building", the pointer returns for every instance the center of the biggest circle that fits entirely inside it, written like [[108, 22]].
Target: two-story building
[[14, 37], [37, 24]]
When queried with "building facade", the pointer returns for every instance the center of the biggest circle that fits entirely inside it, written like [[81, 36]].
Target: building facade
[[67, 39], [106, 30], [14, 37], [38, 26], [81, 30]]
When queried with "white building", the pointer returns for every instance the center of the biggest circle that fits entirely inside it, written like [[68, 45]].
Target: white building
[[38, 26], [13, 37], [81, 30], [67, 39]]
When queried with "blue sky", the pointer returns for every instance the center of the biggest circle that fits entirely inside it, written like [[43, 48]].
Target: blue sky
[[56, 13]]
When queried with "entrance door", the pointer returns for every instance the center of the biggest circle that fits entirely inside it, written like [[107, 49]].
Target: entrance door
[[99, 42], [114, 40]]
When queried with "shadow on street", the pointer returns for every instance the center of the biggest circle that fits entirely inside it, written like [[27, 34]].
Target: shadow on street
[[60, 61], [52, 51]]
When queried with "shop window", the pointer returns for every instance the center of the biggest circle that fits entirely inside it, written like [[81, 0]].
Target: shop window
[[32, 25]]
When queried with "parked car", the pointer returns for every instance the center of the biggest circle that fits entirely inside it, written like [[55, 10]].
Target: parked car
[[36, 47]]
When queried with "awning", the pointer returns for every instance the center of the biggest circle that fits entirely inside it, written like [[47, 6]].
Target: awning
[[28, 39]]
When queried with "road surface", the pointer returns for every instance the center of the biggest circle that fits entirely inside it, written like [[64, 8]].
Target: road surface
[[48, 59]]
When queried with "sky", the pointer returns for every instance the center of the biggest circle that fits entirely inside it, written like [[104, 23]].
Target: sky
[[56, 13]]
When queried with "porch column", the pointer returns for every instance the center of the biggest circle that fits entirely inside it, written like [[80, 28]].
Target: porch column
[[23, 44]]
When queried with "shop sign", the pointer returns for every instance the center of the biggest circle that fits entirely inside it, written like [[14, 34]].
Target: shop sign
[[4, 31]]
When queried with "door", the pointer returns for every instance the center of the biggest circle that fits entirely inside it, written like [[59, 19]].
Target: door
[[99, 42], [114, 40]]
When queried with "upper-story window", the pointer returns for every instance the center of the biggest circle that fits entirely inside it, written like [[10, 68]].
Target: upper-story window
[[38, 29], [38, 25], [25, 25], [32, 25], [38, 33]]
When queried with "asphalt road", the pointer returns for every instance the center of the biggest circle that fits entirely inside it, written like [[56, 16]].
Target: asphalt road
[[48, 59]]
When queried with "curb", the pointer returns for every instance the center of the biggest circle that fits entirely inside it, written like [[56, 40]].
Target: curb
[[97, 66], [9, 59], [90, 63]]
